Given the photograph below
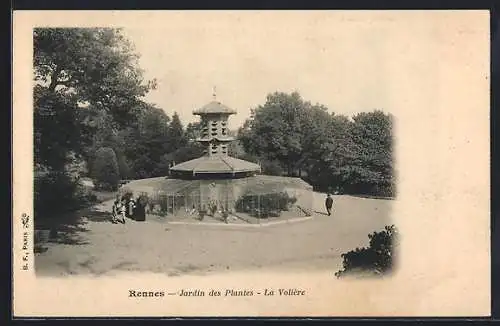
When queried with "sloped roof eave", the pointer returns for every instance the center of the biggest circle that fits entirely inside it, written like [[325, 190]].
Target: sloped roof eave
[[225, 165], [214, 107]]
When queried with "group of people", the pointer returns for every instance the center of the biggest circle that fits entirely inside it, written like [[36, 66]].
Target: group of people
[[128, 207]]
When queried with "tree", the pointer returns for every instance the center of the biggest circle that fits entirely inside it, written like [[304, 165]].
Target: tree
[[333, 151], [184, 145], [147, 143], [235, 149], [94, 73], [192, 132], [97, 65], [320, 136], [328, 150], [275, 130], [176, 134], [56, 128], [87, 95], [123, 165], [370, 170], [105, 169], [289, 131], [180, 155]]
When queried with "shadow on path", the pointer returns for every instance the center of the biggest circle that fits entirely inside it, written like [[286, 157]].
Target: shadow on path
[[68, 229]]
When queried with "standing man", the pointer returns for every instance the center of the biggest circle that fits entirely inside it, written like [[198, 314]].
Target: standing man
[[329, 204]]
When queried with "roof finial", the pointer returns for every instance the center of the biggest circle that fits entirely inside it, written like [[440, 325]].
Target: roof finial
[[214, 93]]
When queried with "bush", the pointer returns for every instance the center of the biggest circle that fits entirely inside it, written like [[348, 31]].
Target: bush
[[385, 190], [105, 169], [378, 190], [377, 259], [57, 192], [264, 206], [271, 167]]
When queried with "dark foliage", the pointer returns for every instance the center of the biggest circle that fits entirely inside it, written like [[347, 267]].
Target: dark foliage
[[376, 259], [56, 192], [288, 135], [105, 170], [265, 205]]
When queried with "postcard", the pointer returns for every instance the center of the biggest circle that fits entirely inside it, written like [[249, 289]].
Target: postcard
[[251, 163]]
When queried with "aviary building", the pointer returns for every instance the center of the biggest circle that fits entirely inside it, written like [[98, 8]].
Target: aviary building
[[216, 179]]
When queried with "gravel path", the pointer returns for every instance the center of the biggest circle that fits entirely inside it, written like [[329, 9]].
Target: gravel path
[[95, 246]]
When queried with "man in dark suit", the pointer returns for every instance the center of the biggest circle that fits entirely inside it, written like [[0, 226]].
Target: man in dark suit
[[329, 204]]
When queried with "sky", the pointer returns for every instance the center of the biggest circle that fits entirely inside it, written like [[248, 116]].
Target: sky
[[328, 57]]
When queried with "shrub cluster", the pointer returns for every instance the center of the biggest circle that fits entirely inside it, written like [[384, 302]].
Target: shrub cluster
[[266, 205], [376, 259], [57, 192]]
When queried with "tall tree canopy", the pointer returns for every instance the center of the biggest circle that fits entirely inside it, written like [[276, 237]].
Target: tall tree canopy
[[176, 133], [89, 76], [88, 91], [371, 169], [98, 65], [147, 142], [288, 130], [274, 130], [330, 151]]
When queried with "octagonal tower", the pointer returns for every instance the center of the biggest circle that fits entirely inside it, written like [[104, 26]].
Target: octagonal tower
[[215, 163]]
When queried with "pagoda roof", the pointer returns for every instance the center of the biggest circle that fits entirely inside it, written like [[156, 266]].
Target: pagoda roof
[[219, 164], [214, 107]]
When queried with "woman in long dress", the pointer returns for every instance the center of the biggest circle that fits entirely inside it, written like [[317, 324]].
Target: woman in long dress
[[119, 209], [140, 209]]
